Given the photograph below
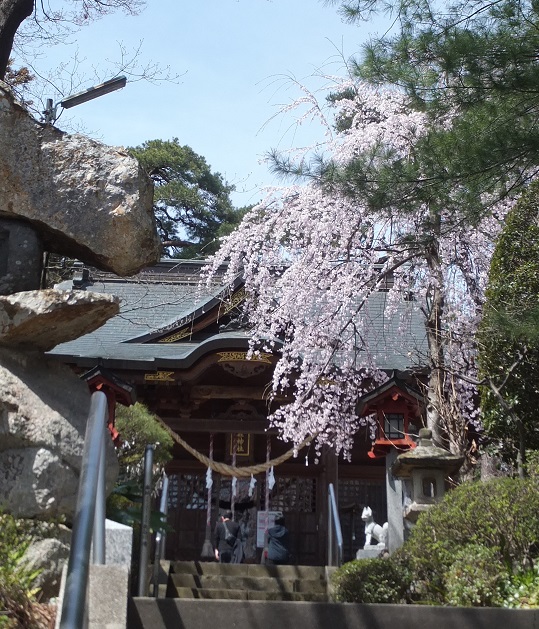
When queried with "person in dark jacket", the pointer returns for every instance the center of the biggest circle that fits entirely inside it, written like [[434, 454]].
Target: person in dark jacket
[[278, 552], [225, 537]]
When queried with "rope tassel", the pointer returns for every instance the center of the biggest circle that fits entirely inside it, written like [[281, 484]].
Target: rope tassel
[[252, 485], [271, 479]]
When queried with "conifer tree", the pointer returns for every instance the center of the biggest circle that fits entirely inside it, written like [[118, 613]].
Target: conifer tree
[[509, 333], [473, 64], [192, 204]]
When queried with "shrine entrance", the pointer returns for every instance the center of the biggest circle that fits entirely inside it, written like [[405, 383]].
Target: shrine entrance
[[297, 497]]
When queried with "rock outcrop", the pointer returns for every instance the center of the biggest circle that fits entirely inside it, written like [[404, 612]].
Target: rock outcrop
[[42, 319], [43, 414], [84, 199], [47, 557], [73, 196]]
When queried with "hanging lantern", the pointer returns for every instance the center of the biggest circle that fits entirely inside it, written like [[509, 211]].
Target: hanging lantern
[[396, 407]]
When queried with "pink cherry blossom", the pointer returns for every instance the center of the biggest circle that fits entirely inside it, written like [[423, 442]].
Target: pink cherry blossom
[[338, 289]]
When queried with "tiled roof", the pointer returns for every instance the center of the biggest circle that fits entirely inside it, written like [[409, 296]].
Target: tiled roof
[[160, 297]]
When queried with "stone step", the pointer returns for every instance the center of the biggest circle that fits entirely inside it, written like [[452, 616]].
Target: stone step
[[246, 582], [148, 613], [244, 595], [240, 582], [252, 570]]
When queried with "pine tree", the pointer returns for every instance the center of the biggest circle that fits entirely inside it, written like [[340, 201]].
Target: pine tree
[[192, 204], [474, 65]]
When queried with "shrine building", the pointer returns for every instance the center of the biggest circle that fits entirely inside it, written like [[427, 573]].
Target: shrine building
[[182, 351]]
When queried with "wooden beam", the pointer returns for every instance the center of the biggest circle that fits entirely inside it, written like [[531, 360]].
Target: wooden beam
[[208, 392], [254, 426]]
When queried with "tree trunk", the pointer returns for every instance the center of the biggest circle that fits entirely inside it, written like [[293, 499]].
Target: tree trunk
[[12, 14], [435, 390]]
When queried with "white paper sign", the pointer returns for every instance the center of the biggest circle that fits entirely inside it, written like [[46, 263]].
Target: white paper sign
[[264, 521]]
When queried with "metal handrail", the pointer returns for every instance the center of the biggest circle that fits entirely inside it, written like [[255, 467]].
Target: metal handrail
[[144, 557], [93, 466], [160, 537], [334, 526]]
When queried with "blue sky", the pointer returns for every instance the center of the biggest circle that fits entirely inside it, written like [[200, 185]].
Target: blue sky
[[232, 57]]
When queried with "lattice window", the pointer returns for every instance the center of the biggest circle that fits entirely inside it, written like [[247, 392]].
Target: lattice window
[[173, 492], [363, 493], [394, 425], [292, 494], [187, 491]]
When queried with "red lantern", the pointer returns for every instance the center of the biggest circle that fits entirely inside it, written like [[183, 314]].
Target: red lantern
[[397, 408]]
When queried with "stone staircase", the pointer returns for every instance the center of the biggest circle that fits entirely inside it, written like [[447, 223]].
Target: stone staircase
[[246, 582], [205, 595]]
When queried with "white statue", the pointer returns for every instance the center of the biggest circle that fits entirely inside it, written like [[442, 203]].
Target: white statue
[[375, 535]]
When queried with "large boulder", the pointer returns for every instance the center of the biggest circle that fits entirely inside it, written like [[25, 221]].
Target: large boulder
[[43, 413], [41, 319], [47, 557], [84, 199]]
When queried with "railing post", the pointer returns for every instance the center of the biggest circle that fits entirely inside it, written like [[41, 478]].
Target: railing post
[[160, 537], [145, 524], [74, 599], [163, 508], [334, 524], [330, 530], [100, 512]]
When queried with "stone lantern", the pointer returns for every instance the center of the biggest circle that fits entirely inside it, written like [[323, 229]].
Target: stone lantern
[[426, 466]]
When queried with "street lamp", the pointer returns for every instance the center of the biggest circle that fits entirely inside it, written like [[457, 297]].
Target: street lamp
[[49, 114]]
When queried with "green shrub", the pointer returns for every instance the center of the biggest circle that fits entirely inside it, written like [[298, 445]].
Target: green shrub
[[522, 590], [501, 514], [475, 548], [17, 593], [371, 581], [476, 578]]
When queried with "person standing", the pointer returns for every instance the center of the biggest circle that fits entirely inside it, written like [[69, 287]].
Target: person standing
[[278, 551], [225, 537]]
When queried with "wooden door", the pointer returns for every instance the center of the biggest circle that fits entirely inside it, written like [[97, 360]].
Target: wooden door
[[296, 497], [187, 511]]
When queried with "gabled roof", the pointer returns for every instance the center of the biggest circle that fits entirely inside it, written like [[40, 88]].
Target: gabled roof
[[392, 387], [155, 305], [167, 319]]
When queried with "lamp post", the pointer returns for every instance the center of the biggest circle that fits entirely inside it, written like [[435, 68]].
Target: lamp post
[[49, 114]]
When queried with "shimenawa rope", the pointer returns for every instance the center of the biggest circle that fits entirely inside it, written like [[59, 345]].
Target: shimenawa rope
[[230, 470]]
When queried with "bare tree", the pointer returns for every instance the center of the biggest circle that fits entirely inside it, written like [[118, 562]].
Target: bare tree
[[12, 14], [27, 27]]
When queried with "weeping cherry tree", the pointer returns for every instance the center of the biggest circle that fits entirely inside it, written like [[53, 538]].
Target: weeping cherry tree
[[364, 219]]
